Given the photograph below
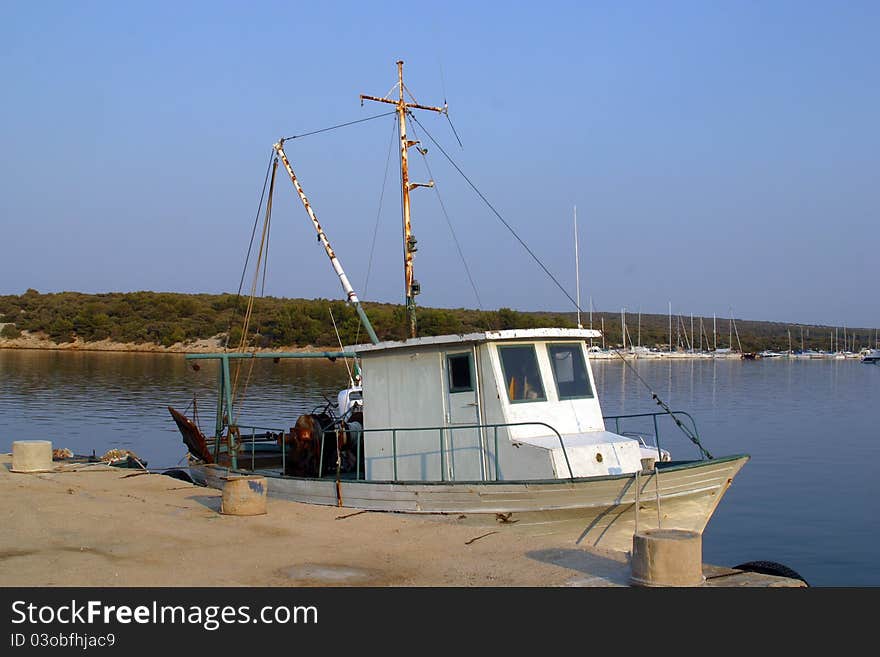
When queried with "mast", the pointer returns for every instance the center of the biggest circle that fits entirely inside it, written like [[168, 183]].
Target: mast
[[670, 327], [737, 333], [692, 332], [714, 334], [640, 327], [591, 319], [623, 327], [412, 287], [577, 270], [337, 267]]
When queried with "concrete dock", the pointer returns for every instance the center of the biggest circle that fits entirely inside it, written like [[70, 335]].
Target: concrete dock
[[95, 525]]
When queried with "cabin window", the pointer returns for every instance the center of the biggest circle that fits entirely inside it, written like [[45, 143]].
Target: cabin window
[[460, 372], [522, 378], [570, 371]]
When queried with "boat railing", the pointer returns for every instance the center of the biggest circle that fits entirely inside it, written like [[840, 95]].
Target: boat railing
[[247, 434], [677, 417], [442, 432]]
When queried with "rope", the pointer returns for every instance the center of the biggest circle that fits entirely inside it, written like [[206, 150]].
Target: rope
[[339, 125], [341, 348], [250, 308], [250, 247]]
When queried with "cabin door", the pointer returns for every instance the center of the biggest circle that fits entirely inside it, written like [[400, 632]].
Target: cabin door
[[464, 451]]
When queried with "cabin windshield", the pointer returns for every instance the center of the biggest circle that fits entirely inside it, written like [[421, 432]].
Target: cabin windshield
[[570, 371], [521, 374]]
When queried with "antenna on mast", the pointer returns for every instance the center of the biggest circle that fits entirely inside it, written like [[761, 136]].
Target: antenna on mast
[[412, 287]]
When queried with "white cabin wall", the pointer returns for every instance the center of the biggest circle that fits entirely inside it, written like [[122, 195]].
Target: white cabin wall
[[407, 387], [403, 390]]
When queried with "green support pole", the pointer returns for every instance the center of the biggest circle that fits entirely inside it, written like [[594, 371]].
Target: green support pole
[[227, 389], [218, 427], [366, 323]]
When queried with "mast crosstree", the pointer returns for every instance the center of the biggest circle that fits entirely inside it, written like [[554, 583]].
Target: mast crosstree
[[409, 242]]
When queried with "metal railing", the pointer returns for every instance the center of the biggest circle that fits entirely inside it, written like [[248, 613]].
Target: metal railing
[[677, 415], [442, 430], [270, 435]]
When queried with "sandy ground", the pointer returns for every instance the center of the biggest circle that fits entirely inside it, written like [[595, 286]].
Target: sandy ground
[[96, 526], [93, 525]]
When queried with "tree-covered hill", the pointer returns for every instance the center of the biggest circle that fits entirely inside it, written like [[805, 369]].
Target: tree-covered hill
[[166, 318]]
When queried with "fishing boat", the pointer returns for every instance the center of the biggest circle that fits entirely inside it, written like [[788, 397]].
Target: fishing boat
[[499, 428]]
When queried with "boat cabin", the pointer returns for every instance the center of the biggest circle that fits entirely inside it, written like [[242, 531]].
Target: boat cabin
[[497, 405]]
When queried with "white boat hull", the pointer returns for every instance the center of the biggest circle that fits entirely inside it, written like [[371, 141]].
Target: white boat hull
[[595, 511]]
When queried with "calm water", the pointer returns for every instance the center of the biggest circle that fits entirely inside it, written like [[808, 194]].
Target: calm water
[[804, 499]]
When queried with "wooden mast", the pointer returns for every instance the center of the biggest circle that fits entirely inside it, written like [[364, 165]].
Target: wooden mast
[[409, 242]]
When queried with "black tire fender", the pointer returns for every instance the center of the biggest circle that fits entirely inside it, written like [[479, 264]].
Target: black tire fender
[[771, 568]]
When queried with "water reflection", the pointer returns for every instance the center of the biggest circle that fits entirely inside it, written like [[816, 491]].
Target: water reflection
[[98, 401], [811, 429], [809, 425]]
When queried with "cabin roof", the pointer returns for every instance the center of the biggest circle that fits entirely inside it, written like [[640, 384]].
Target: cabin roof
[[508, 335]]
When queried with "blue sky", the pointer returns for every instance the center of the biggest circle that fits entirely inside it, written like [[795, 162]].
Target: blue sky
[[721, 155]]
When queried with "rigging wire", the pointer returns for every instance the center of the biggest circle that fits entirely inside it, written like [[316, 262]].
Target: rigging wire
[[341, 348], [423, 153], [495, 212], [266, 257], [378, 215], [693, 438], [250, 247], [340, 125], [250, 308], [446, 107]]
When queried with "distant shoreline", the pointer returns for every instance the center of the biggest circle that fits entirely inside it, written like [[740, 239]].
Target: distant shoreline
[[211, 345]]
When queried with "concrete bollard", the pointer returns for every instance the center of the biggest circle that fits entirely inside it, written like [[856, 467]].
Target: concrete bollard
[[667, 557], [32, 456], [244, 496]]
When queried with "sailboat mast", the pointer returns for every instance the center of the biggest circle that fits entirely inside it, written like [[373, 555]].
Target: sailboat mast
[[714, 334], [591, 319], [692, 332], [577, 269], [412, 287]]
